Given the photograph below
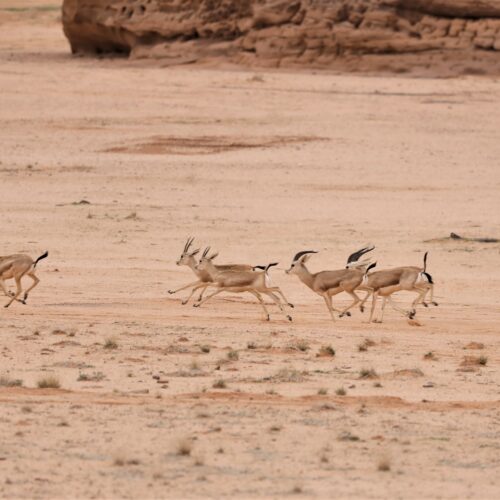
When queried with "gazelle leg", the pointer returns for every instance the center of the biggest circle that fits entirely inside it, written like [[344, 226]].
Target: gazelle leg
[[277, 290], [194, 283], [422, 291], [7, 293], [431, 286], [278, 303], [35, 283], [328, 302], [201, 285], [259, 298], [374, 302], [404, 312], [18, 291], [382, 309], [367, 296], [354, 303]]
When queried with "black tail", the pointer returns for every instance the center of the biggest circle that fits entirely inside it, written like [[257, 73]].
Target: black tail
[[371, 266], [43, 256], [425, 261], [429, 277]]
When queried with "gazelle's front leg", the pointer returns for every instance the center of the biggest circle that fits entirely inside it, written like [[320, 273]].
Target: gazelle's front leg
[[328, 302], [201, 285], [353, 303], [369, 291], [199, 304], [374, 302], [194, 283], [7, 293]]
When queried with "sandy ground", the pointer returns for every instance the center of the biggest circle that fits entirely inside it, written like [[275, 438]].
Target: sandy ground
[[260, 166]]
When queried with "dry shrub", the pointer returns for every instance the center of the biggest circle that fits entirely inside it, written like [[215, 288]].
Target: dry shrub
[[184, 447], [474, 361], [6, 381], [367, 373], [49, 382], [326, 351]]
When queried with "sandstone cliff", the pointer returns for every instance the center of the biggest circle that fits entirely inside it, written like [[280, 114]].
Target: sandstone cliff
[[395, 35]]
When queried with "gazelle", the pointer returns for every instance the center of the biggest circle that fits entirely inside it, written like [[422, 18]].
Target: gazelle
[[330, 283], [386, 282], [187, 258], [254, 282], [15, 267]]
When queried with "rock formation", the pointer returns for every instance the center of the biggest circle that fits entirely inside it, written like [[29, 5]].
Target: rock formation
[[443, 36]]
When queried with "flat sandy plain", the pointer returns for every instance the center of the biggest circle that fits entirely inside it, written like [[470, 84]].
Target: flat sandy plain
[[260, 166]]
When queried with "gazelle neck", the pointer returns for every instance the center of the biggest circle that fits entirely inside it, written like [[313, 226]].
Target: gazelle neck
[[305, 276]]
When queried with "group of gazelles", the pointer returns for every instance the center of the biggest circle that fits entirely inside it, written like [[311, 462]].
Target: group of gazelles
[[356, 276], [238, 278]]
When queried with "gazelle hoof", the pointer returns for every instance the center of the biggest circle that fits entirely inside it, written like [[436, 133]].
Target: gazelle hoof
[[434, 303], [377, 321], [268, 318], [196, 305], [291, 305], [170, 292], [289, 318], [425, 304], [184, 302], [411, 314], [6, 305], [362, 309]]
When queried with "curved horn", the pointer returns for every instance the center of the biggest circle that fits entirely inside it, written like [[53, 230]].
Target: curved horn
[[205, 252], [300, 254], [354, 257], [189, 242], [271, 265]]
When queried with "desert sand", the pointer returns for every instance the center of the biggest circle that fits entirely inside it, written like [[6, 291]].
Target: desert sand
[[111, 164]]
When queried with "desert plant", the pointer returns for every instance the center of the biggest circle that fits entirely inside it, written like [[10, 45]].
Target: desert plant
[[483, 360], [110, 344], [49, 382], [219, 384], [233, 355], [367, 373], [205, 349], [384, 464], [184, 447], [251, 345], [322, 392], [327, 350], [340, 391], [6, 381]]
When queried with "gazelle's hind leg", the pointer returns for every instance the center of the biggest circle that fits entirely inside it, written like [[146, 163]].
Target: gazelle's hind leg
[[422, 291], [369, 292], [277, 290], [199, 304], [7, 293], [18, 291], [35, 279], [278, 303]]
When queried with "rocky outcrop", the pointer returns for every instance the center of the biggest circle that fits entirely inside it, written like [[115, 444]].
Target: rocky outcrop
[[394, 35]]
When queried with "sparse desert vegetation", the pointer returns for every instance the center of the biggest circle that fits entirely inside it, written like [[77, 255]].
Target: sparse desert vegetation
[[259, 169]]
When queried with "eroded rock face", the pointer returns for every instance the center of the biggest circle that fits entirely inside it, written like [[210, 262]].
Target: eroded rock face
[[395, 35]]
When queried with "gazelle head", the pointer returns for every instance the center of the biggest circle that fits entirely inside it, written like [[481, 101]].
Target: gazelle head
[[187, 255], [206, 260], [353, 261], [299, 260]]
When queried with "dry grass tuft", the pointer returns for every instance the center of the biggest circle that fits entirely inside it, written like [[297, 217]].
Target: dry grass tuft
[[205, 349], [233, 355], [430, 356], [474, 361], [6, 381], [300, 345], [110, 344], [184, 447], [326, 351], [365, 345], [340, 391], [367, 373], [50, 382], [219, 384], [288, 375], [384, 464], [322, 392]]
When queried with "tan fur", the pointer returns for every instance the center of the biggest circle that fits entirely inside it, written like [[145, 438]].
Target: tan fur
[[384, 283], [254, 282], [15, 267], [188, 259], [329, 283]]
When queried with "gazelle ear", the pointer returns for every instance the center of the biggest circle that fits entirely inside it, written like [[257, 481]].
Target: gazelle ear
[[195, 252], [305, 257], [213, 256]]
